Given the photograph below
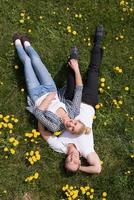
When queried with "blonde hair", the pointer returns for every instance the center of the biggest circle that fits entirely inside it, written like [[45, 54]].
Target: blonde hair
[[84, 129]]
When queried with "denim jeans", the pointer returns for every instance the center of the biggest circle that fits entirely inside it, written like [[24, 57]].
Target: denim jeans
[[37, 77]]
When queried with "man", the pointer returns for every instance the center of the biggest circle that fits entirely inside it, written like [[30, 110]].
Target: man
[[73, 145]]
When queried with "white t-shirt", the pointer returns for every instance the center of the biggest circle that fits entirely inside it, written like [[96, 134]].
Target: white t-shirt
[[83, 142], [54, 105]]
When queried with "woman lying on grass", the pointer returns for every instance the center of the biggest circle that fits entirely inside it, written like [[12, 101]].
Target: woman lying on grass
[[74, 145], [48, 105]]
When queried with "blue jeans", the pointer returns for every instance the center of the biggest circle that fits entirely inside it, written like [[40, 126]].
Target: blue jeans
[[38, 79]]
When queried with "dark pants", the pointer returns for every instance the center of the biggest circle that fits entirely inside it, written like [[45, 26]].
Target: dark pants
[[90, 89]]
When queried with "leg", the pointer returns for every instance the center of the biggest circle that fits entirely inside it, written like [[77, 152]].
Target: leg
[[30, 77], [69, 93], [90, 90], [41, 71]]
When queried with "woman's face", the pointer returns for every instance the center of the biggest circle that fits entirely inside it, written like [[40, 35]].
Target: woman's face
[[73, 125]]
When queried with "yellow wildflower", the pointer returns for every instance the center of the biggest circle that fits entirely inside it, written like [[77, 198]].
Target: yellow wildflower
[[12, 151], [12, 139], [6, 149], [104, 194], [10, 126], [102, 80], [36, 175]]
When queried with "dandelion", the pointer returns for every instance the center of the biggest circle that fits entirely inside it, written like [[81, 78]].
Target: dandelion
[[12, 139], [74, 32], [6, 149], [29, 30], [36, 175], [40, 17], [21, 21], [126, 88], [104, 194], [12, 151], [97, 106], [16, 67], [22, 90], [102, 80], [28, 17]]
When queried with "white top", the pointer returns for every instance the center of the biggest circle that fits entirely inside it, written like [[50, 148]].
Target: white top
[[83, 142], [54, 105]]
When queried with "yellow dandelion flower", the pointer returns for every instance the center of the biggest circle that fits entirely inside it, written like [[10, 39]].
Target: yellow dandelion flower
[[22, 90], [120, 102], [22, 14], [102, 80], [126, 88], [88, 44], [36, 175], [31, 153], [10, 126], [92, 190], [40, 17], [117, 38], [102, 84], [21, 21], [57, 133], [91, 196], [28, 17], [97, 106], [34, 158], [87, 193], [120, 70], [1, 116], [16, 143], [12, 139], [29, 30], [74, 32], [131, 9], [76, 15], [67, 9], [10, 131], [121, 36], [12, 151], [6, 149], [16, 67], [80, 15], [104, 194], [16, 120]]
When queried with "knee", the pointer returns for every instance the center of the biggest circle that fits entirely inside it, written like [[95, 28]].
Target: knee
[[27, 59]]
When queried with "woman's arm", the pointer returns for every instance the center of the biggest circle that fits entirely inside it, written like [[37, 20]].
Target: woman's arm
[[46, 102], [44, 133]]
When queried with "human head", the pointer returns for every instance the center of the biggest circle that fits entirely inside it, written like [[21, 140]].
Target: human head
[[76, 126], [72, 162]]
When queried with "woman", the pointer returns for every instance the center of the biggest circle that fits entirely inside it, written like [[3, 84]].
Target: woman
[[45, 102]]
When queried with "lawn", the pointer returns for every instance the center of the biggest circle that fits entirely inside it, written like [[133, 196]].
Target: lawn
[[54, 26]]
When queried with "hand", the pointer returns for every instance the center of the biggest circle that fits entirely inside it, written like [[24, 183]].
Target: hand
[[51, 96], [73, 63]]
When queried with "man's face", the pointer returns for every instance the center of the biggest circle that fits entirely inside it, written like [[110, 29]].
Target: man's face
[[73, 125], [72, 161]]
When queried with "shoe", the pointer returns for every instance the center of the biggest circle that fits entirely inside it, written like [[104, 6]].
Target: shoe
[[16, 36], [98, 35], [74, 53], [24, 38]]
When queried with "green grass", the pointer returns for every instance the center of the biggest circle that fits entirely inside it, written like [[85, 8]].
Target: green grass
[[113, 130]]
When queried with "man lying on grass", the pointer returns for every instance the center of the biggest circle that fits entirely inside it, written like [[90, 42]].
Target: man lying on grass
[[77, 145]]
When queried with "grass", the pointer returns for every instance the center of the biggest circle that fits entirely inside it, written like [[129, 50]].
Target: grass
[[113, 127]]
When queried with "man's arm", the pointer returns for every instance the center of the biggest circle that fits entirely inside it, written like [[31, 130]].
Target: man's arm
[[44, 133], [75, 66], [94, 162]]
